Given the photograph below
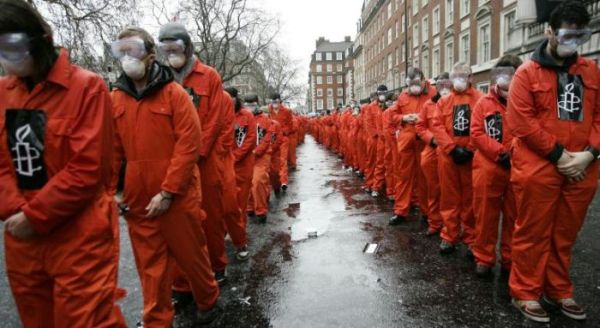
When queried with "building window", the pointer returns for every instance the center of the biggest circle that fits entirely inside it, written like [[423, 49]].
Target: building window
[[484, 87], [425, 29], [436, 20], [318, 56], [449, 12], [319, 80], [328, 56], [463, 47], [424, 3], [339, 56], [511, 35], [402, 23], [416, 35], [340, 67], [319, 92], [329, 68], [402, 51], [319, 104], [330, 103], [397, 57], [435, 63], [390, 61], [483, 43], [329, 79], [340, 79], [449, 56], [389, 11], [389, 36], [397, 30], [425, 63], [329, 92], [465, 7], [340, 92], [319, 68], [415, 6]]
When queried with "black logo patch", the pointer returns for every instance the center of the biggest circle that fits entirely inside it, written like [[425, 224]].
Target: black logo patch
[[195, 98], [260, 133], [240, 135], [26, 130], [570, 97], [493, 127], [462, 120]]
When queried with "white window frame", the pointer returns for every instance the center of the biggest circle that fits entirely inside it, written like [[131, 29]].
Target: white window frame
[[436, 20], [339, 68], [464, 48], [340, 92], [319, 79], [319, 92], [449, 59], [506, 33], [329, 92], [389, 36], [483, 86], [465, 8], [329, 103], [318, 56], [425, 29], [329, 79], [425, 63], [329, 68], [415, 35], [448, 12], [319, 68], [339, 56], [340, 79], [328, 56], [415, 7], [435, 62], [480, 41], [319, 104]]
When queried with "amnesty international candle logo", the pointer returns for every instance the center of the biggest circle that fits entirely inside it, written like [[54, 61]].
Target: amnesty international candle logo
[[462, 120], [570, 97], [194, 97], [260, 134], [493, 126], [25, 131], [240, 134]]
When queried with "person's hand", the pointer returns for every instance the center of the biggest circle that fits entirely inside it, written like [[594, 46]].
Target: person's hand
[[504, 160], [159, 204], [19, 227], [461, 155], [575, 168], [410, 118]]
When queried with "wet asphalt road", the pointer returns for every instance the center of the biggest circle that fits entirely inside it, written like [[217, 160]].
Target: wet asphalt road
[[295, 281]]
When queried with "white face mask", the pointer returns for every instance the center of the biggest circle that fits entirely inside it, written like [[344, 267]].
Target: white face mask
[[566, 50], [275, 105], [22, 68], [415, 90], [444, 91], [381, 98], [460, 85], [176, 61], [133, 67]]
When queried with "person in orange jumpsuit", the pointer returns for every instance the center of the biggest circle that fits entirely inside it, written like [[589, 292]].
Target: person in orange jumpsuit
[[373, 129], [245, 136], [261, 184], [283, 115], [390, 156], [408, 171], [61, 233], [451, 130], [492, 190], [216, 143], [276, 142], [554, 116], [429, 157], [293, 141], [157, 135]]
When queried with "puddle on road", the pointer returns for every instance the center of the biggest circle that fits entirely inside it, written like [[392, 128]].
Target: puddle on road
[[292, 210], [314, 218]]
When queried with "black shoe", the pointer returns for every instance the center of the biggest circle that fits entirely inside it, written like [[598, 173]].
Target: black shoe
[[425, 218], [181, 300], [206, 317], [221, 277], [262, 218], [396, 220], [469, 254], [139, 324], [284, 187], [483, 271], [251, 214], [446, 247]]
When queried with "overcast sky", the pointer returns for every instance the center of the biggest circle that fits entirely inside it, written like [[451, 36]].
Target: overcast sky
[[303, 21]]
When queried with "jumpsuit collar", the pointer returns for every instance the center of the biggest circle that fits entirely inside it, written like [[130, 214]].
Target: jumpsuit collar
[[159, 77]]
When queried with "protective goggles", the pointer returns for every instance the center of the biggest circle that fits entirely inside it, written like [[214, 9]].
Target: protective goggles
[[132, 47], [14, 47], [569, 36], [443, 84], [459, 76], [168, 47], [502, 75], [416, 81]]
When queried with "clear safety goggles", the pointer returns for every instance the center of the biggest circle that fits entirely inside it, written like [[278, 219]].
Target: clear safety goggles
[[168, 47], [14, 47], [411, 82], [459, 76], [443, 84], [132, 47], [502, 76], [570, 36]]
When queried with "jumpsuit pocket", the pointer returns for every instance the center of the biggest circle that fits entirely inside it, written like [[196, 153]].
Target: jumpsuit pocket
[[58, 137]]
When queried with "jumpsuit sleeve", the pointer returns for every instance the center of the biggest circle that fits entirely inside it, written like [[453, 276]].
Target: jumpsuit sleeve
[[421, 125], [370, 122], [437, 127], [488, 146], [264, 144], [74, 187], [522, 121], [212, 122], [12, 199], [118, 156], [186, 127], [594, 140], [249, 143]]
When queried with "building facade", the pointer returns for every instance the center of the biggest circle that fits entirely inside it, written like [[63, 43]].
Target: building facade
[[330, 74], [393, 35]]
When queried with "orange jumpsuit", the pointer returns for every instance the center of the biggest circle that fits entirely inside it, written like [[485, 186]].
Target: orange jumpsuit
[[66, 275], [293, 141], [216, 158], [245, 139], [429, 164], [391, 153], [261, 188], [550, 210], [371, 114], [451, 128], [157, 134], [275, 152], [284, 116], [492, 190]]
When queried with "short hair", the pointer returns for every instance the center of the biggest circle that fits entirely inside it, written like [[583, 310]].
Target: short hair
[[20, 17], [413, 72], [463, 67], [132, 31], [509, 61], [570, 12]]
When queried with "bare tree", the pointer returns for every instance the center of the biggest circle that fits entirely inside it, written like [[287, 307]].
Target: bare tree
[[281, 74]]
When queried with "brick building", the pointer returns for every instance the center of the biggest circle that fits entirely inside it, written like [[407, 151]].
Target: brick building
[[330, 74], [393, 35]]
